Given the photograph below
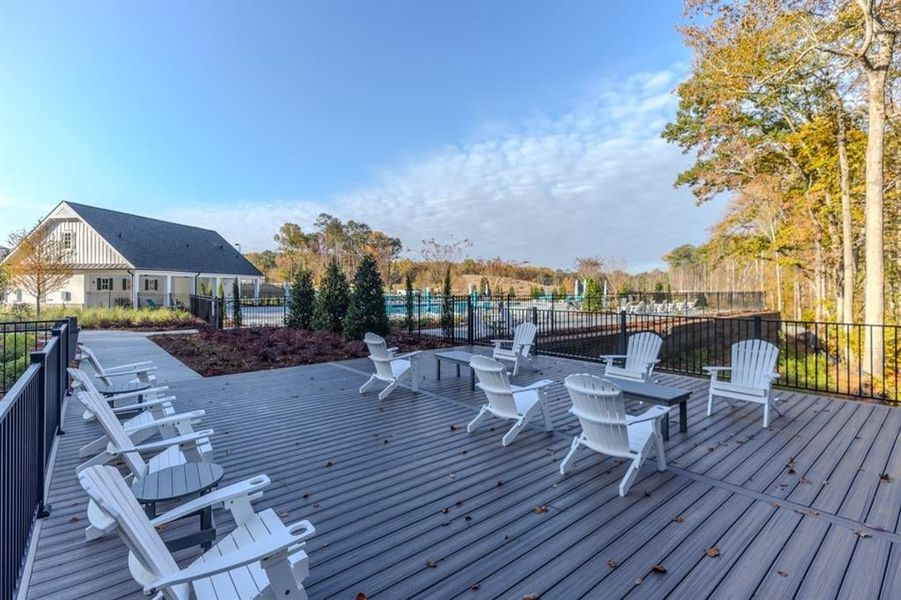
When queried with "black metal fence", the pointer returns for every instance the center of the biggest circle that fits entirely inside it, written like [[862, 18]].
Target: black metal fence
[[855, 360], [247, 312], [30, 420]]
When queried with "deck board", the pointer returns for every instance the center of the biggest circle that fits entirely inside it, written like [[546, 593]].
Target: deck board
[[376, 477]]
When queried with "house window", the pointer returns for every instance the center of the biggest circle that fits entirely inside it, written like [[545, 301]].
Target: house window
[[68, 240], [104, 284], [67, 296], [151, 285], [126, 284]]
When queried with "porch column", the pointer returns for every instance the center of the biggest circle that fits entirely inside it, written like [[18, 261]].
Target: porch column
[[256, 288], [135, 281], [215, 292], [194, 286], [167, 300]]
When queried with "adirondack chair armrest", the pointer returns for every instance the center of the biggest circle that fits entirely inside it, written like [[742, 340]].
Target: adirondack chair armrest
[[193, 417], [407, 355], [532, 386], [248, 487], [139, 393], [716, 369], [609, 358], [142, 365], [187, 439], [656, 412], [499, 343], [130, 372], [143, 405], [774, 376], [274, 543], [392, 350]]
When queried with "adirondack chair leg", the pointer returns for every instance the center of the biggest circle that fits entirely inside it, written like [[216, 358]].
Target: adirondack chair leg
[[477, 422], [368, 384], [414, 374], [564, 466], [282, 582], [774, 406], [516, 367], [546, 415], [384, 393], [93, 448], [629, 479], [766, 415], [658, 441], [514, 431], [710, 403]]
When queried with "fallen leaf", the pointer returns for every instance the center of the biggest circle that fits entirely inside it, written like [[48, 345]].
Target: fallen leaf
[[660, 569], [499, 483], [474, 587], [305, 496], [861, 534], [384, 441], [678, 519], [329, 464], [712, 552], [431, 563], [465, 451], [361, 596], [459, 503], [531, 597], [638, 581], [444, 510], [540, 509], [884, 478], [74, 520], [454, 428], [612, 563], [285, 513], [467, 518], [782, 573]]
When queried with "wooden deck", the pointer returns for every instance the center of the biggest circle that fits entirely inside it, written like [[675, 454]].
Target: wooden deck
[[391, 485]]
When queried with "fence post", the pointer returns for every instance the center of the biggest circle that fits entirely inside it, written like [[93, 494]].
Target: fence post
[[62, 353], [757, 328], [40, 359], [535, 323], [623, 336], [469, 324]]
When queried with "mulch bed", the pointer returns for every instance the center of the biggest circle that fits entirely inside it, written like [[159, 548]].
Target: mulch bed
[[220, 352]]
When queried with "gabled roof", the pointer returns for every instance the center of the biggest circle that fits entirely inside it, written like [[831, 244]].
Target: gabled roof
[[153, 244]]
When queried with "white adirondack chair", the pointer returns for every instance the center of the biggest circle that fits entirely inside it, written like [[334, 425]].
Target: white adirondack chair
[[638, 362], [155, 416], [607, 429], [517, 350], [389, 368], [507, 401], [140, 371], [166, 453], [752, 374], [261, 558]]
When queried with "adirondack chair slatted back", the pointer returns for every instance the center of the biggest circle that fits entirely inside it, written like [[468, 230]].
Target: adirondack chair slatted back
[[95, 364], [97, 404], [378, 353], [524, 338], [601, 411], [110, 494], [753, 362], [493, 380], [642, 349]]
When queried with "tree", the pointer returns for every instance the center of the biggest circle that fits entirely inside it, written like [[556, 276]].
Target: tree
[[39, 262], [367, 304], [447, 306], [4, 283], [591, 300], [265, 261], [332, 300], [303, 300], [408, 300], [438, 256], [236, 304]]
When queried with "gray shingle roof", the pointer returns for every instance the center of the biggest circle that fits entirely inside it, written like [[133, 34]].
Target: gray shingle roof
[[153, 244]]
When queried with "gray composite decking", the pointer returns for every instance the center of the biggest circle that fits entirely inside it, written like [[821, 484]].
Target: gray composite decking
[[798, 510]]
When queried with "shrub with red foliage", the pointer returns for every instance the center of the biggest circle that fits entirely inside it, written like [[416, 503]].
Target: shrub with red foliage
[[220, 352]]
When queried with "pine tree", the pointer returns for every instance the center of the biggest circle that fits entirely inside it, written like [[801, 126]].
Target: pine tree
[[409, 301], [236, 304], [303, 299], [447, 306], [332, 300], [367, 304], [591, 300]]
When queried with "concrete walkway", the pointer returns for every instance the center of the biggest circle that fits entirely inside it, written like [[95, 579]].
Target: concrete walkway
[[121, 347]]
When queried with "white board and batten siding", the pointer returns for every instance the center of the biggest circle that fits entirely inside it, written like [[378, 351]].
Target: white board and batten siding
[[89, 250]]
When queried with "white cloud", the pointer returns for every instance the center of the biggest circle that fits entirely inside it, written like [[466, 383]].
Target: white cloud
[[595, 180]]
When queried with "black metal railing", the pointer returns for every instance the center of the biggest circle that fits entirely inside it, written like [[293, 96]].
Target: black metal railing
[[246, 312], [855, 360], [30, 420]]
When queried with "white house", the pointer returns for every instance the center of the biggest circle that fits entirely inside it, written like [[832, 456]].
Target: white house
[[128, 260]]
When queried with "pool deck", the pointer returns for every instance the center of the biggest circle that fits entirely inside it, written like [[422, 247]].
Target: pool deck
[[798, 510]]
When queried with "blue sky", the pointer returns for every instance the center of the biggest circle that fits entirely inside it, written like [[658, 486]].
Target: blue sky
[[530, 128]]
